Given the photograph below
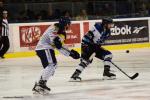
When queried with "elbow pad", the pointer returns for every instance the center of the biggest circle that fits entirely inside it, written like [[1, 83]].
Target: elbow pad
[[57, 43]]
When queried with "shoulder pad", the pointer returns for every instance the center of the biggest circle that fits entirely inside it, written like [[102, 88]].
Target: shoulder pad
[[98, 27]]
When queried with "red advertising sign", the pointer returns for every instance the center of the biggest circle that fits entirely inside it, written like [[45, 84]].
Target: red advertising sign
[[29, 35], [73, 34]]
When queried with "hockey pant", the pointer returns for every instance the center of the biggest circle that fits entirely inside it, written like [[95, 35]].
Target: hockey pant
[[48, 61], [88, 50]]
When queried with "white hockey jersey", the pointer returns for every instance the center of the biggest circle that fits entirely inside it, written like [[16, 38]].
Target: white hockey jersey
[[47, 41]]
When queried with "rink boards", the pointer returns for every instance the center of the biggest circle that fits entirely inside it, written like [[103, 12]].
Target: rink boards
[[128, 33]]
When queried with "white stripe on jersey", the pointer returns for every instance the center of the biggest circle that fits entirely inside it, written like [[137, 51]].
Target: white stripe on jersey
[[5, 28], [49, 57], [97, 35]]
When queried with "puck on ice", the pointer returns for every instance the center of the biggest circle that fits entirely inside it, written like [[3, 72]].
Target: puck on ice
[[127, 51]]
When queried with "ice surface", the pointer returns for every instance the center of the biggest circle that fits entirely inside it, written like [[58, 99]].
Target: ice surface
[[17, 77]]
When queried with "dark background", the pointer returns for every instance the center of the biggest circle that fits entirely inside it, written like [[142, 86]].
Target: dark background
[[50, 10]]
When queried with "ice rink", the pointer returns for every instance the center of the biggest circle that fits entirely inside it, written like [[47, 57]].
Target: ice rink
[[18, 75]]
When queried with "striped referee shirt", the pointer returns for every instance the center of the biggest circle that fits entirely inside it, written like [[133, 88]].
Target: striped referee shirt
[[5, 28]]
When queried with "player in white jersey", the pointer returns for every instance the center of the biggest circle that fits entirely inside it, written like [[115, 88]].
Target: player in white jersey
[[52, 38], [91, 43]]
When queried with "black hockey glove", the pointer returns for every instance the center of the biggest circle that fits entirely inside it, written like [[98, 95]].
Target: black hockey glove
[[57, 43], [74, 54]]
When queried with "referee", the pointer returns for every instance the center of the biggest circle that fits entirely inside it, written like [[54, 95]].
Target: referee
[[4, 32]]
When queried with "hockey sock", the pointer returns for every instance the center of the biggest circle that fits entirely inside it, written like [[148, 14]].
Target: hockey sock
[[48, 72]]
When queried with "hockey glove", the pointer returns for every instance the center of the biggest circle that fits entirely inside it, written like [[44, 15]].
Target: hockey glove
[[74, 54], [57, 43]]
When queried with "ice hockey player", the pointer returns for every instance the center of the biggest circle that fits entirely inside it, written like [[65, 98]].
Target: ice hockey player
[[91, 43], [51, 39]]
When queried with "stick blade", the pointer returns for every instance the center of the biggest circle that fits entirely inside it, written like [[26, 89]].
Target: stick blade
[[134, 76]]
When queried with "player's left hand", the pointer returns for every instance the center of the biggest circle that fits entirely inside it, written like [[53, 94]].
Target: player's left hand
[[74, 54]]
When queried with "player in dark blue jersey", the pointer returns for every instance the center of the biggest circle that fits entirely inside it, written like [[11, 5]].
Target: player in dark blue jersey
[[91, 43]]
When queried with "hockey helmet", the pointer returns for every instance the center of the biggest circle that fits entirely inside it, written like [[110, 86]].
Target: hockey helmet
[[63, 21], [107, 21]]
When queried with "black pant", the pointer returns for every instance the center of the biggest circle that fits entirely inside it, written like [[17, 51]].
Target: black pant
[[4, 45], [87, 50], [47, 57]]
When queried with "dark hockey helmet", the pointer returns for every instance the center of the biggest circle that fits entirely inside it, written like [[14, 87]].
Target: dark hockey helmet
[[107, 21], [63, 21]]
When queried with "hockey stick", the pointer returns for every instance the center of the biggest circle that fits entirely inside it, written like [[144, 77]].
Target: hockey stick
[[131, 77], [90, 58]]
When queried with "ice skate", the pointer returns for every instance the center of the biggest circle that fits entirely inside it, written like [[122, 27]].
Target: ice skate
[[41, 88], [75, 77], [107, 75]]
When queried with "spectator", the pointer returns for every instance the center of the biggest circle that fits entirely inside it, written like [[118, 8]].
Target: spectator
[[39, 17], [30, 14], [50, 15], [83, 15], [22, 17], [107, 8], [43, 14], [143, 10], [57, 14], [66, 13]]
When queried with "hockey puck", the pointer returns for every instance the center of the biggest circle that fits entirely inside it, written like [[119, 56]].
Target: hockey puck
[[127, 51]]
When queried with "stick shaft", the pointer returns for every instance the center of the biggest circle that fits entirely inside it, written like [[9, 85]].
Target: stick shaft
[[121, 70]]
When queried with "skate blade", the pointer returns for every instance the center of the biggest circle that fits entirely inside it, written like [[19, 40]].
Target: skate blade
[[73, 80], [41, 91], [109, 78]]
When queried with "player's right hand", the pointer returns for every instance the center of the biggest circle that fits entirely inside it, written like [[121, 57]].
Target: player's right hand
[[74, 54]]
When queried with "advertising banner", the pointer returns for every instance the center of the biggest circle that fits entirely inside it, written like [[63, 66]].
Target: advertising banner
[[73, 34], [30, 35], [125, 32]]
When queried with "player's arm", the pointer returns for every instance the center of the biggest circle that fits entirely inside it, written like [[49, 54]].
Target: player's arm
[[65, 51], [105, 36]]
